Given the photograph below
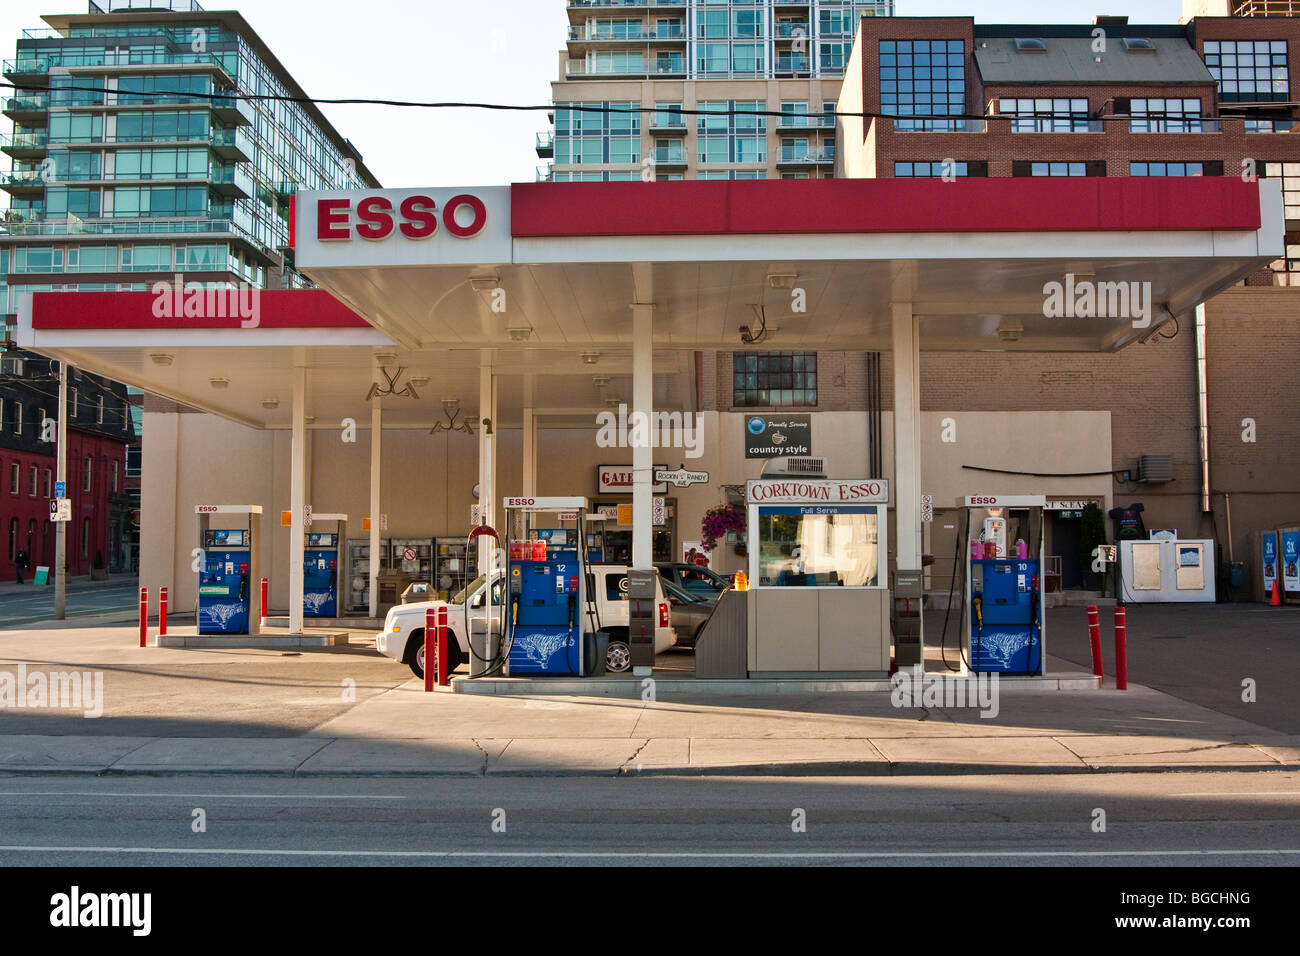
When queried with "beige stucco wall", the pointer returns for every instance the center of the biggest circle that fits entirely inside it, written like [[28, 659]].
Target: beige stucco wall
[[192, 459]]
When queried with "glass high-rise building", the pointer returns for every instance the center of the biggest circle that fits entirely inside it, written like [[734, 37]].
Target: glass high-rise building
[[132, 157], [732, 57]]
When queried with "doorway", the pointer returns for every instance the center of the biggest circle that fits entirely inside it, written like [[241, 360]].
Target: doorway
[[1067, 535]]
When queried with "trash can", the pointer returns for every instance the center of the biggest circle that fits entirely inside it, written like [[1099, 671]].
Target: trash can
[[595, 647]]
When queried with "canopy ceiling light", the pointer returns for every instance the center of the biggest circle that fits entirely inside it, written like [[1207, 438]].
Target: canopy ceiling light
[[451, 409], [419, 381], [269, 403], [161, 358], [1010, 330], [219, 381], [600, 381], [484, 283], [520, 333], [386, 358], [590, 358], [782, 280]]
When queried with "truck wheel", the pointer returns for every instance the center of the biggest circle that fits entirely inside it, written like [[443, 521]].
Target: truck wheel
[[618, 657], [417, 656]]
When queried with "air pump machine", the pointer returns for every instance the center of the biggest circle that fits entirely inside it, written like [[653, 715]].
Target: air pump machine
[[547, 592], [1004, 627]]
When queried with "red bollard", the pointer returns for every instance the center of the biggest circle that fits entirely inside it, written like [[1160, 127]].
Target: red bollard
[[1121, 648], [144, 617], [1094, 638], [430, 642], [444, 678], [265, 586], [162, 612]]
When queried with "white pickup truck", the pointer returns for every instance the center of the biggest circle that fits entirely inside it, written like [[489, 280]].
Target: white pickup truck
[[402, 638]]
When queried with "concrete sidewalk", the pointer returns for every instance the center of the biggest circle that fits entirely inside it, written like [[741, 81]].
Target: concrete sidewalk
[[349, 711]]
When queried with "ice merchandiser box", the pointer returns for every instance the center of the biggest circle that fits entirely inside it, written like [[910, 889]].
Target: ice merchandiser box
[[229, 592], [818, 601]]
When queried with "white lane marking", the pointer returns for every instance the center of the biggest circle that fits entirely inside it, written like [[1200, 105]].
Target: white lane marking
[[724, 855], [1240, 793], [205, 796]]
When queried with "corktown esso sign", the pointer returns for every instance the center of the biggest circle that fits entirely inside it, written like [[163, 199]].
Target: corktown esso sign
[[414, 217]]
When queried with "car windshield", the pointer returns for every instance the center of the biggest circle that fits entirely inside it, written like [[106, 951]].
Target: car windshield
[[462, 595], [676, 593]]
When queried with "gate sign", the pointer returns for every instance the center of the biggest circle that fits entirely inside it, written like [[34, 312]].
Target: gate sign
[[682, 478], [60, 509], [1270, 562], [1291, 560], [617, 480]]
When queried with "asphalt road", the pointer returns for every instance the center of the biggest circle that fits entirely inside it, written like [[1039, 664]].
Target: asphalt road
[[20, 606], [1200, 653], [1151, 820]]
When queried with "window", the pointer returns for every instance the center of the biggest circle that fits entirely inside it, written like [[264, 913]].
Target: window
[[1173, 169], [1165, 116], [925, 170], [85, 537], [1048, 115], [18, 418], [31, 484], [49, 483], [72, 405], [1289, 173], [838, 546], [13, 538], [133, 460], [922, 77], [14, 471], [1094, 168], [114, 478], [99, 409], [1030, 45], [89, 468], [1139, 45], [1249, 71], [766, 379]]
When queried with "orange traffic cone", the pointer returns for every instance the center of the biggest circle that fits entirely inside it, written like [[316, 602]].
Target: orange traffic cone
[[1276, 599]]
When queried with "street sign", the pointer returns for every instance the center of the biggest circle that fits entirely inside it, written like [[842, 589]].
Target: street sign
[[681, 478], [60, 509], [306, 516], [60, 489]]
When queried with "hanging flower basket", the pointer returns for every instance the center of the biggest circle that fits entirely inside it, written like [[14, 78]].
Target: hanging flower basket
[[717, 522]]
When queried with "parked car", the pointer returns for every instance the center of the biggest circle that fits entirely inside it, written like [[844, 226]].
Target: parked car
[[402, 638], [702, 582], [688, 611]]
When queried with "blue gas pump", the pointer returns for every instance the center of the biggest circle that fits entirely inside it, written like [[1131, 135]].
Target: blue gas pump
[[320, 575], [225, 594], [1005, 629], [546, 571]]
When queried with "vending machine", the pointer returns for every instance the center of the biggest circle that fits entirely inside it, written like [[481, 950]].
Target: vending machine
[[325, 577], [547, 590], [1003, 620], [228, 594]]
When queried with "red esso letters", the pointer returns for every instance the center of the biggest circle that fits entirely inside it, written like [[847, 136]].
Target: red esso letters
[[415, 218]]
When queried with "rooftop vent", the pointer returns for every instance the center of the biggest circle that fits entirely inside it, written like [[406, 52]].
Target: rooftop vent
[[1139, 45], [1030, 45], [1155, 469]]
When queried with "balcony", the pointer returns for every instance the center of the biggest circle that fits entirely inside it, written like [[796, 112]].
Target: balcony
[[545, 174], [25, 106], [25, 182], [231, 108], [546, 144], [1054, 124], [801, 156], [1147, 124], [669, 157], [232, 143], [668, 124], [24, 145], [1269, 126], [231, 181], [594, 33], [805, 121], [674, 65], [126, 227], [623, 4], [136, 61], [791, 31], [26, 67], [793, 65]]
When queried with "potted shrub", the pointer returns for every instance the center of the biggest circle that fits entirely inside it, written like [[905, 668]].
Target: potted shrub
[[717, 522], [97, 570]]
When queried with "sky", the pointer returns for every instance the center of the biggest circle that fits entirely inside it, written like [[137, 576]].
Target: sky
[[508, 52]]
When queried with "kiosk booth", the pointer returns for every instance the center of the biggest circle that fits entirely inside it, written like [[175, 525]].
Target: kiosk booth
[[818, 601], [227, 565]]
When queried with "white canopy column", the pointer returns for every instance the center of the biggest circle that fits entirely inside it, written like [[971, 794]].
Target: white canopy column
[[907, 464], [642, 414], [376, 476], [297, 497], [487, 406]]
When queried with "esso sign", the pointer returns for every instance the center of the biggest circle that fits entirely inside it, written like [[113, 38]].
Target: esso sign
[[986, 500], [520, 502], [207, 509], [414, 217]]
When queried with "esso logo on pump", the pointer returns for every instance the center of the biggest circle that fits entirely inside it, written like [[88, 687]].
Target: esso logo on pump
[[415, 217]]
